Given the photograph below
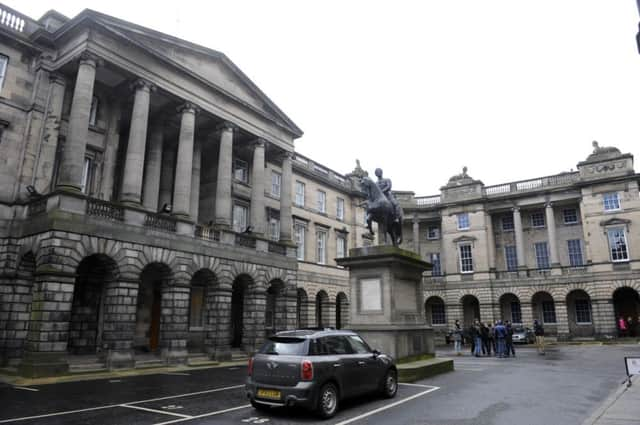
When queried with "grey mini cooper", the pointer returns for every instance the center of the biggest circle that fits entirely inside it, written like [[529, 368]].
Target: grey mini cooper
[[316, 369]]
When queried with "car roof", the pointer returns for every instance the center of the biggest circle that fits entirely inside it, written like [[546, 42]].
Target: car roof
[[310, 333]]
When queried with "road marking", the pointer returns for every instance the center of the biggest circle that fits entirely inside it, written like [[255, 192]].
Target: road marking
[[177, 373], [233, 368], [156, 411], [25, 388], [469, 369], [114, 381], [389, 406], [110, 406], [217, 412]]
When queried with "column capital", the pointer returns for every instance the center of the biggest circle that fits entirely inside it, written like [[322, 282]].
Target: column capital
[[259, 142], [515, 209], [226, 125], [548, 204], [141, 84], [188, 108], [88, 58]]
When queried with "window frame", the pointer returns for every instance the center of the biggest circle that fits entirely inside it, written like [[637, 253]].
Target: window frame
[[241, 164], [299, 197], [537, 219], [464, 222], [433, 232], [464, 261], [234, 225], [507, 219], [93, 111], [572, 254], [440, 315], [623, 232], [341, 244], [340, 208], [274, 228], [276, 184], [4, 66], [299, 232], [321, 244], [511, 261], [436, 270], [606, 202], [200, 324], [538, 253], [564, 215], [546, 311], [588, 310], [516, 312], [321, 204]]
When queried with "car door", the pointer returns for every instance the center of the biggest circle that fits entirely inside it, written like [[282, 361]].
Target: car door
[[370, 368], [347, 364]]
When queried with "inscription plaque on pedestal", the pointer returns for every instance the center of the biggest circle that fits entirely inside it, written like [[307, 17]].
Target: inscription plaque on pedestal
[[370, 295]]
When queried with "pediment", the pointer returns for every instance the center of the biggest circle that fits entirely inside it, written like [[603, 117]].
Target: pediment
[[615, 221], [465, 238]]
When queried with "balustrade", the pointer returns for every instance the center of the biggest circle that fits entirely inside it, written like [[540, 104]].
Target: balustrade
[[207, 233], [104, 209], [160, 222], [11, 20]]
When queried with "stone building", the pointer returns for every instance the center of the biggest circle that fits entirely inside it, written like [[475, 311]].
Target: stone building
[[151, 202], [563, 249]]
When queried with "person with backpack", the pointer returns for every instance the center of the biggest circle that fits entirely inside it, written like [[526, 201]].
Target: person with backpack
[[538, 330]]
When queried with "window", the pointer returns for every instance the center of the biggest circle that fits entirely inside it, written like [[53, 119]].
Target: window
[[358, 345], [618, 244], [437, 267], [537, 219], [507, 223], [93, 113], [511, 257], [466, 259], [516, 312], [239, 218], [274, 228], [336, 345], [299, 194], [463, 221], [321, 247], [611, 201], [4, 60], [340, 208], [299, 233], [276, 180], [437, 314], [570, 215], [548, 312], [341, 246], [433, 232], [241, 170], [87, 176], [575, 253], [322, 202], [542, 255], [196, 312], [583, 311]]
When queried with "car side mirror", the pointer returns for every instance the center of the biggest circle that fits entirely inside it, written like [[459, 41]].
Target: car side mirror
[[376, 353]]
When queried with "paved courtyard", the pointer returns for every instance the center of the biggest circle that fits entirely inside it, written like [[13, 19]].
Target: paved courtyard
[[564, 387]]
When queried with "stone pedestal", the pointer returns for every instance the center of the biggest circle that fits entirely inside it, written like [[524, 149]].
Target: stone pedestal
[[387, 306]]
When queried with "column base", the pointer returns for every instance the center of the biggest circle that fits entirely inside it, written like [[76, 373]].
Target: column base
[[35, 365], [173, 356], [120, 359]]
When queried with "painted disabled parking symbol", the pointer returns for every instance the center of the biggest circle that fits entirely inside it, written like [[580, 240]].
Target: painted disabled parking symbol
[[255, 420]]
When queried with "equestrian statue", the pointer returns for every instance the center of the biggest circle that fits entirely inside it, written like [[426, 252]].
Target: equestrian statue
[[382, 207]]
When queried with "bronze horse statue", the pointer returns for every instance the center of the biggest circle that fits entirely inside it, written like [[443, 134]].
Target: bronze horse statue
[[382, 211]]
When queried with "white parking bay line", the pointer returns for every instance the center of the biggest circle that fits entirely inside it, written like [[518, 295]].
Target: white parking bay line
[[25, 388], [110, 406], [389, 406], [204, 415], [177, 373], [156, 411]]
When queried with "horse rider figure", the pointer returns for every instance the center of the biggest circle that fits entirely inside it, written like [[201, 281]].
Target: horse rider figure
[[385, 187]]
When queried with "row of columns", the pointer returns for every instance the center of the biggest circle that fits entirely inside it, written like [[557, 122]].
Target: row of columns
[[160, 174]]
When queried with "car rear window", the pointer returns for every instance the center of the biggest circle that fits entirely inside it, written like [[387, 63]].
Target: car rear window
[[284, 346]]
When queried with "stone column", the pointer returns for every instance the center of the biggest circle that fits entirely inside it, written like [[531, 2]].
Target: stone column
[[491, 244], [220, 320], [551, 231], [119, 323], [134, 161], [174, 323], [184, 161], [562, 319], [257, 188], [416, 235], [111, 150], [195, 180], [253, 318], [526, 311], [517, 227], [72, 160], [286, 219], [603, 317], [167, 173], [49, 146], [153, 167], [223, 184]]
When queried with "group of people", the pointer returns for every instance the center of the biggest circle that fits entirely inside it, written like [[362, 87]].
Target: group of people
[[627, 327], [493, 340]]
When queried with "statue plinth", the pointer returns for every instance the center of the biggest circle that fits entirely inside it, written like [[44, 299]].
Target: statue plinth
[[387, 306]]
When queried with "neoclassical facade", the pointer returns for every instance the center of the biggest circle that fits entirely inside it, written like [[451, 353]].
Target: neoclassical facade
[[152, 203], [563, 249]]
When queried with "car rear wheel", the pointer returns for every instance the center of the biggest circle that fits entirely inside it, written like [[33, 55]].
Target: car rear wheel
[[390, 384], [327, 401]]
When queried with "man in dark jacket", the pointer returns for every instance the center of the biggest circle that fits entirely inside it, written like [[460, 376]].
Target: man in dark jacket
[[538, 330], [501, 333], [486, 347], [509, 350]]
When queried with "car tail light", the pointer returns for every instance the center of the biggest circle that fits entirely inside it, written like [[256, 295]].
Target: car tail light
[[250, 367], [306, 372]]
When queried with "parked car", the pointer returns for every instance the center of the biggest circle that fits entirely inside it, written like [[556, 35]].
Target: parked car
[[316, 369], [523, 336]]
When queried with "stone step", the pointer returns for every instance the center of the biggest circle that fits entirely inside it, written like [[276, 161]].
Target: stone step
[[415, 371], [87, 367], [145, 363]]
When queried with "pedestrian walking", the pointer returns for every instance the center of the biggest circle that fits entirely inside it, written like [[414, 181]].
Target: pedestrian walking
[[500, 332], [538, 330], [457, 338], [509, 349], [486, 348], [623, 329], [477, 338]]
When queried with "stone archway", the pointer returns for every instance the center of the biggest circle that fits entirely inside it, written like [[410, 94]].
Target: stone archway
[[579, 312], [201, 322], [154, 279], [470, 310], [342, 310], [544, 310], [510, 308], [275, 312], [435, 311], [94, 274], [626, 304], [322, 309]]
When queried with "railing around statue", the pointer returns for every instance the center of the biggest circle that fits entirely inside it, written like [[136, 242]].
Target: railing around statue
[[105, 209], [160, 222], [207, 233], [245, 240]]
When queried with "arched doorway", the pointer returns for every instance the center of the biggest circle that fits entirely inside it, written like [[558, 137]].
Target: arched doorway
[[580, 314], [544, 310], [322, 303], [302, 309], [626, 303], [342, 310], [470, 309], [153, 279], [275, 319], [93, 274], [238, 298], [200, 300], [510, 308], [434, 311]]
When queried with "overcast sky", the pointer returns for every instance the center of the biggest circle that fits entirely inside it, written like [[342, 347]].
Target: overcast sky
[[511, 89]]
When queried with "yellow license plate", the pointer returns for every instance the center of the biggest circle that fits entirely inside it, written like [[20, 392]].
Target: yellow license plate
[[270, 394]]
